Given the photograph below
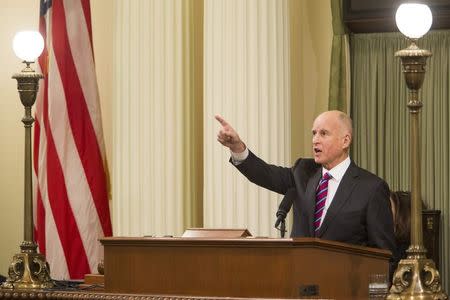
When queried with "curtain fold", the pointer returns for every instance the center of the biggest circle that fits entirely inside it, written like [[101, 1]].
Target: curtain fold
[[157, 108], [247, 82], [339, 88], [381, 119]]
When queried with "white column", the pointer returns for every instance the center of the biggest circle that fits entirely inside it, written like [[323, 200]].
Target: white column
[[246, 80], [148, 123]]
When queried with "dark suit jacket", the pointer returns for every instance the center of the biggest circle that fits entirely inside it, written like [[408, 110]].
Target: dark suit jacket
[[359, 213]]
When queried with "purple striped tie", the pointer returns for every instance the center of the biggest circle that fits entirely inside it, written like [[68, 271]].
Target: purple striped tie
[[321, 197]]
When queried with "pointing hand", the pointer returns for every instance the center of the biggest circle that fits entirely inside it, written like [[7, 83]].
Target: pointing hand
[[228, 137]]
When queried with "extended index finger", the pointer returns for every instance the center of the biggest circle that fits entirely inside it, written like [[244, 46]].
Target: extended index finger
[[221, 120]]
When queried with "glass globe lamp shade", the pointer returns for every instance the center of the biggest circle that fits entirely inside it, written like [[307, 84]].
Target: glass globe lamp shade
[[28, 45], [413, 19]]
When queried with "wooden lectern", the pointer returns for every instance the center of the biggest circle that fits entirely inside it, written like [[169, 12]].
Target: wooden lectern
[[241, 267]]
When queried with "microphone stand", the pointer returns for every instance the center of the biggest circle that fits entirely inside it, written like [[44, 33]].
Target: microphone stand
[[281, 222], [282, 228], [283, 210]]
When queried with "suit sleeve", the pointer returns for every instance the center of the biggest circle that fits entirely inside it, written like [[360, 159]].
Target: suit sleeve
[[380, 227], [275, 178]]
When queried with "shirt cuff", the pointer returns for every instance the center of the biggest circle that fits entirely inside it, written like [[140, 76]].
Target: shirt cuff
[[237, 158]]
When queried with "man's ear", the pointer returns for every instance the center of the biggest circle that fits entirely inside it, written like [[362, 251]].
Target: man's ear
[[347, 141]]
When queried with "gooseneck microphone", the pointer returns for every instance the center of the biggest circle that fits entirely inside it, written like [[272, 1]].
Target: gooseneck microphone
[[283, 210]]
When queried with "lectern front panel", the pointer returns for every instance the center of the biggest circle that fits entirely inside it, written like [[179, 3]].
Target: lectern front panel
[[268, 268]]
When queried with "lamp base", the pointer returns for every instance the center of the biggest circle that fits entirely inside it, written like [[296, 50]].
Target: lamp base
[[416, 278], [28, 271]]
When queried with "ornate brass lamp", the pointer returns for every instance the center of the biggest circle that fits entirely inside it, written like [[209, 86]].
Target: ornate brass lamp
[[416, 276], [28, 270]]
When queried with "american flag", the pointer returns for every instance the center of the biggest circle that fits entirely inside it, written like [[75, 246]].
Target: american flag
[[70, 195]]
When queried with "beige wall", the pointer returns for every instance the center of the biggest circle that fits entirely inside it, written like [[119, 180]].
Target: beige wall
[[19, 15], [313, 45]]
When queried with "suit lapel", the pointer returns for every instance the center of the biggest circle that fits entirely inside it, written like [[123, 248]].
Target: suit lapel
[[344, 190], [313, 182]]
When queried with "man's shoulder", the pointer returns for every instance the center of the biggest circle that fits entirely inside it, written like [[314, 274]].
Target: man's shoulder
[[365, 174], [306, 166], [306, 162]]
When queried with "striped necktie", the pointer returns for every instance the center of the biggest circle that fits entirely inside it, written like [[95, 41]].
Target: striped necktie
[[321, 197]]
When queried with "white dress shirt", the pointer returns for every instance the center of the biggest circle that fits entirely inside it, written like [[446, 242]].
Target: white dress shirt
[[337, 173], [237, 158]]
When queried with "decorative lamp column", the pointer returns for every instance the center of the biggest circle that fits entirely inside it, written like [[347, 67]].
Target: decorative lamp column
[[416, 276], [28, 270]]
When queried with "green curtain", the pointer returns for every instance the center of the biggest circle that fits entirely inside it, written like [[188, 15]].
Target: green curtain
[[381, 119], [338, 88]]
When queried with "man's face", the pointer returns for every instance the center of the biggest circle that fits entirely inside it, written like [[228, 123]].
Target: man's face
[[330, 140]]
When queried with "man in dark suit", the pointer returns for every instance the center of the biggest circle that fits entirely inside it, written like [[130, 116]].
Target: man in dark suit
[[336, 200]]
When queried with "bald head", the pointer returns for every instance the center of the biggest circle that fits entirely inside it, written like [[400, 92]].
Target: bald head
[[339, 118]]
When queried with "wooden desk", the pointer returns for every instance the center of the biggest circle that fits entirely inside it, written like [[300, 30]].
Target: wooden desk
[[245, 267]]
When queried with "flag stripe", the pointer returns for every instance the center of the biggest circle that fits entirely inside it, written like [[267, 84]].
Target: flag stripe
[[84, 62], [87, 14], [77, 188], [59, 203], [46, 224], [79, 117], [70, 196], [53, 249], [78, 36]]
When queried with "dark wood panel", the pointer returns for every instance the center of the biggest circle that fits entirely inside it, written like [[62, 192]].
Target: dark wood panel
[[245, 267], [379, 15]]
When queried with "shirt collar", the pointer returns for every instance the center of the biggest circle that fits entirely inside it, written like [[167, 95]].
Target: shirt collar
[[338, 171]]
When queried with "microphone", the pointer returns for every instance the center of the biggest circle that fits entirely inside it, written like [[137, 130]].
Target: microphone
[[283, 209]]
